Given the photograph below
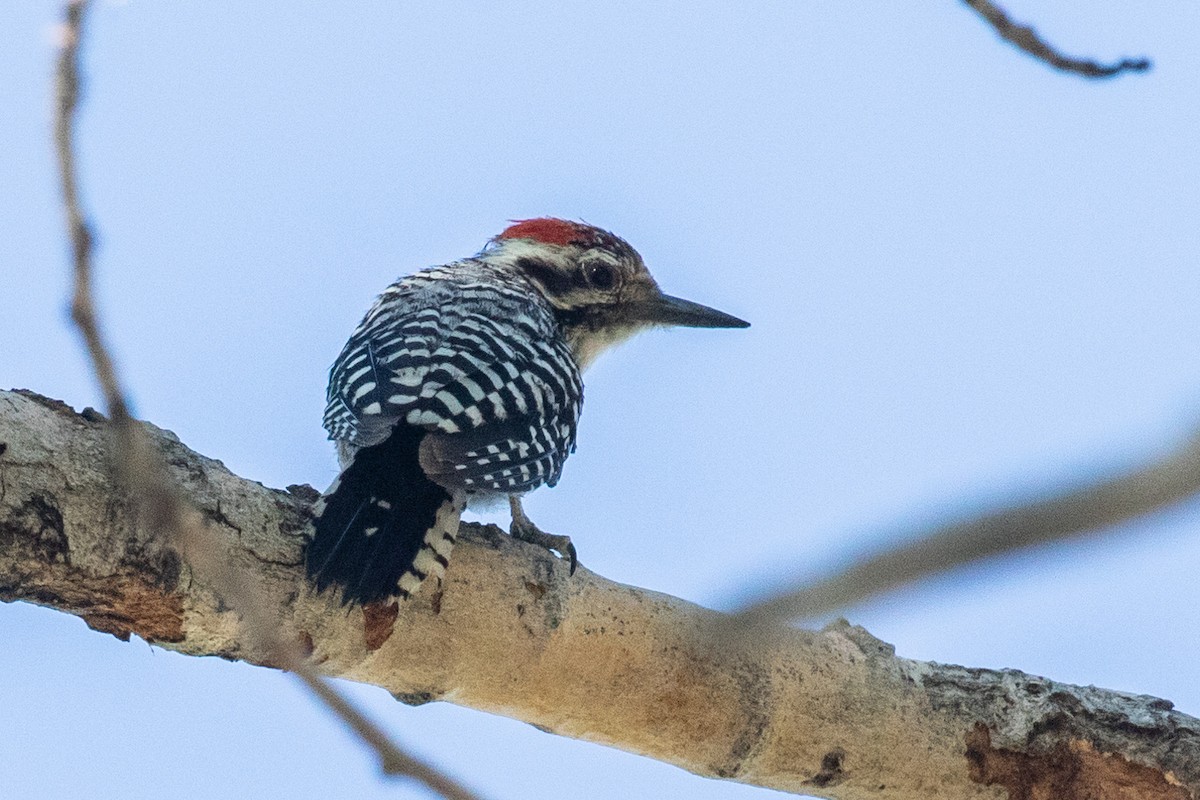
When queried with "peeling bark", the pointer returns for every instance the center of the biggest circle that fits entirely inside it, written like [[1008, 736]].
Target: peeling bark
[[832, 713], [1073, 769]]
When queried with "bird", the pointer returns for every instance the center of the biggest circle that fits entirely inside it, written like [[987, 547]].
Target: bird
[[462, 385]]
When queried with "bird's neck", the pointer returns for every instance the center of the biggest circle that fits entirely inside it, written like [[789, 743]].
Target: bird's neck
[[589, 334], [588, 330]]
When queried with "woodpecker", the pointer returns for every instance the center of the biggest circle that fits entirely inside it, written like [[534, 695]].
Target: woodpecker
[[462, 384]]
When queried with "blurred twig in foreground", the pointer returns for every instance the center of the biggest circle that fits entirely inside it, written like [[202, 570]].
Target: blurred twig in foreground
[[1084, 511], [143, 472]]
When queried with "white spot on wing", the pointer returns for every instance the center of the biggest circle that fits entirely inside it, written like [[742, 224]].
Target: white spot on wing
[[451, 402], [409, 376]]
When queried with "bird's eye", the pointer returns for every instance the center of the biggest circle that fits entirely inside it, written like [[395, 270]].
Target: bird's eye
[[600, 275]]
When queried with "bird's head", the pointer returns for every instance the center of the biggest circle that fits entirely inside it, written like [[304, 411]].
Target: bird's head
[[596, 283]]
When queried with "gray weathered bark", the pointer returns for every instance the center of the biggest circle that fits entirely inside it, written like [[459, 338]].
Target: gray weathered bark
[[833, 713]]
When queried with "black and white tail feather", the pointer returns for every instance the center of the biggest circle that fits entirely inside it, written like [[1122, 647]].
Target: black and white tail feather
[[383, 527]]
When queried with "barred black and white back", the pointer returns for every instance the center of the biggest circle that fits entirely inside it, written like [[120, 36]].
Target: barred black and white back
[[457, 382]]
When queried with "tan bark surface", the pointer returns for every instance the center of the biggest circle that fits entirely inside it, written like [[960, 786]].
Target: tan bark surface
[[832, 713]]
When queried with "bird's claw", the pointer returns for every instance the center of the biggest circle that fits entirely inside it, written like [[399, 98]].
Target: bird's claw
[[528, 532], [570, 554], [523, 528]]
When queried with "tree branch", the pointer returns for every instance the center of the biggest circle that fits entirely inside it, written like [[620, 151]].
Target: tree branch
[[138, 469], [1089, 510], [1026, 38], [833, 713]]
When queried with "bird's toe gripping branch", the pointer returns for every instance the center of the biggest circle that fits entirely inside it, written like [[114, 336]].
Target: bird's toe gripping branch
[[524, 529]]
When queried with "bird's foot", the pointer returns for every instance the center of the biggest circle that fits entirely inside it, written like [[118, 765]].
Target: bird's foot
[[523, 528]]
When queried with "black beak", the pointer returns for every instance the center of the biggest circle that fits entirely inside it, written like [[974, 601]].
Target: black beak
[[668, 310]]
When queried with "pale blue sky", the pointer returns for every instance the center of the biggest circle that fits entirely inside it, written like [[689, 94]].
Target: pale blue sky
[[967, 275]]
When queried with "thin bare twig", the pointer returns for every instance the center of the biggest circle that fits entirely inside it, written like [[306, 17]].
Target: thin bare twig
[[67, 96], [145, 474], [1087, 510], [1027, 39], [208, 559]]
